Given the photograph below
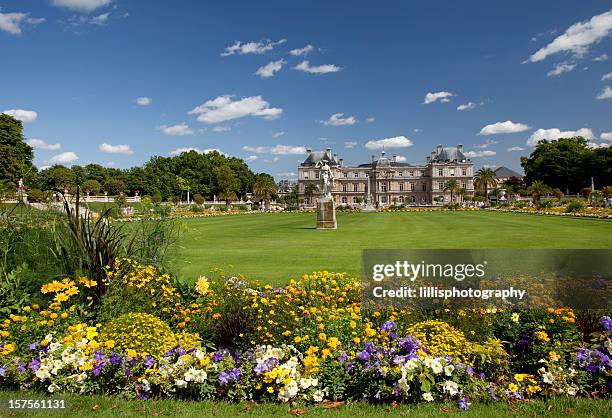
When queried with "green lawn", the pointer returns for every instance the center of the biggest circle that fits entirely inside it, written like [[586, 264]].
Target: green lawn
[[103, 406], [277, 247]]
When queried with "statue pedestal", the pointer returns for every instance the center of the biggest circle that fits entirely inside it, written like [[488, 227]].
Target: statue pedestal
[[326, 214]]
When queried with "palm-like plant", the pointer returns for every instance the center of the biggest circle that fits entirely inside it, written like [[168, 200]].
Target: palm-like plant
[[451, 186], [310, 190], [265, 189], [537, 189], [485, 178]]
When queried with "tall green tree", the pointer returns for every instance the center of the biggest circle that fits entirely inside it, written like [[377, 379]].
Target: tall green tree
[[537, 189], [309, 191], [265, 189], [451, 186], [57, 178], [485, 178], [15, 154], [227, 183]]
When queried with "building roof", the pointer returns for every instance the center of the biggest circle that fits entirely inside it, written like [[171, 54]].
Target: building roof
[[324, 156], [443, 155], [505, 172]]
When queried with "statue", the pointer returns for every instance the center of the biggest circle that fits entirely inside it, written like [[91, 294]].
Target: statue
[[327, 179]]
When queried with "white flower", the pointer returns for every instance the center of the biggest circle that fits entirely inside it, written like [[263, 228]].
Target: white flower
[[436, 366], [289, 391], [428, 397], [572, 390], [180, 383], [54, 346], [52, 387], [43, 373], [318, 395], [412, 364], [306, 382], [146, 386], [548, 377], [515, 317], [451, 387], [403, 384], [448, 370]]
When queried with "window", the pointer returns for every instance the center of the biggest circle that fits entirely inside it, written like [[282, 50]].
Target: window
[[356, 174], [452, 171], [383, 199], [440, 172], [440, 185], [344, 187], [383, 187], [464, 186], [412, 174], [317, 175], [354, 199], [424, 187], [412, 199], [464, 172], [412, 187], [355, 187], [305, 174], [344, 199], [345, 174], [399, 173], [401, 187], [401, 199]]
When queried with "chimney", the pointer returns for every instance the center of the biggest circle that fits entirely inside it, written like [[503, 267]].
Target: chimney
[[341, 161], [395, 158], [427, 159], [460, 148], [328, 150], [433, 155], [308, 151], [439, 149]]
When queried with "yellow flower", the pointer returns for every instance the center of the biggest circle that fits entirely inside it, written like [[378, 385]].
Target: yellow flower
[[110, 344], [297, 339], [270, 389], [322, 336], [202, 285], [512, 387]]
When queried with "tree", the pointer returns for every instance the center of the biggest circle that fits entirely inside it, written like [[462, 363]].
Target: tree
[[607, 191], [57, 178], [198, 198], [265, 189], [15, 154], [567, 164], [227, 183], [114, 186], [558, 193], [537, 189], [485, 178], [92, 186], [309, 190], [451, 186]]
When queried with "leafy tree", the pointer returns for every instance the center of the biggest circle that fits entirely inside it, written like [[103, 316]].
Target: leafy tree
[[227, 183], [92, 186], [558, 193], [537, 189], [15, 154], [114, 186], [57, 178], [451, 186], [485, 178], [586, 192], [198, 198], [265, 189], [565, 164]]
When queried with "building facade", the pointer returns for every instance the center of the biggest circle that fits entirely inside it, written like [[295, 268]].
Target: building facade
[[386, 182]]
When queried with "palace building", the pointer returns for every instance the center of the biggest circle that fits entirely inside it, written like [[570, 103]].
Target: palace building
[[386, 182]]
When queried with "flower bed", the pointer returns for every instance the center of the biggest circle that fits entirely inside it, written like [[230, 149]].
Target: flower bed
[[593, 213], [312, 340]]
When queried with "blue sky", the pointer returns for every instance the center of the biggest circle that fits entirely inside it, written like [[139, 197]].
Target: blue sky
[[393, 73]]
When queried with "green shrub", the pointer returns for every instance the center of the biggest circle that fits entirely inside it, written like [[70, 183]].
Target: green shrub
[[545, 204], [574, 206], [491, 358]]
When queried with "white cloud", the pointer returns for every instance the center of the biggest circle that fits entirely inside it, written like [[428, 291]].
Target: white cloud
[[251, 47], [507, 127], [40, 144], [251, 158], [487, 144], [596, 145], [606, 136], [81, 5], [554, 133], [560, 68], [516, 149], [395, 142], [478, 154], [64, 158], [143, 101], [100, 20], [277, 149], [273, 160], [400, 159], [287, 174], [278, 134], [270, 68], [467, 106], [606, 93], [606, 76], [337, 119], [222, 109], [221, 128], [443, 96], [179, 151], [370, 120], [350, 144], [115, 149], [180, 129], [317, 69], [577, 38], [417, 130], [11, 22], [302, 51], [26, 116], [602, 57], [110, 164]]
